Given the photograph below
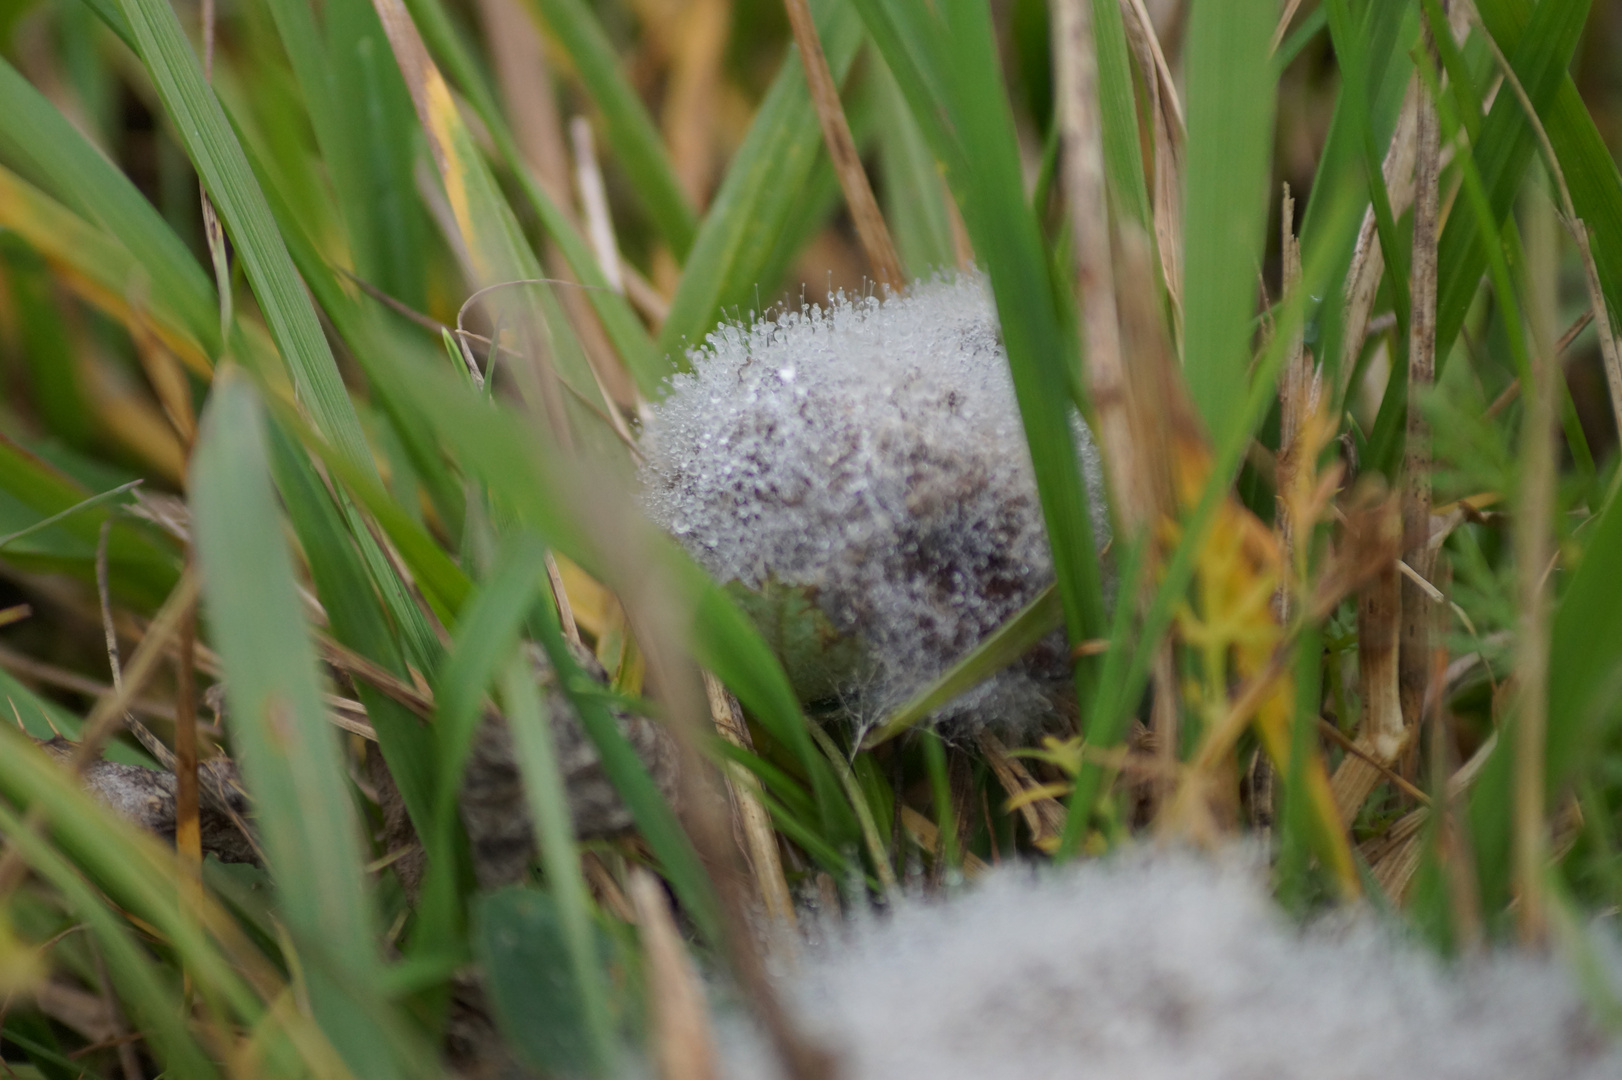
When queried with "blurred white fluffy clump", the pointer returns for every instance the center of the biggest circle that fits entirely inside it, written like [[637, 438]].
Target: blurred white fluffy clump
[[868, 461], [1172, 967]]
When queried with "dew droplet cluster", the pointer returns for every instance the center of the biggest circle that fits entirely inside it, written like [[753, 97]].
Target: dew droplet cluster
[[871, 453]]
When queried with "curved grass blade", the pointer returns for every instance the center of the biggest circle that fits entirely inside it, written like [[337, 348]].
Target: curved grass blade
[[45, 148], [288, 752], [1002, 647]]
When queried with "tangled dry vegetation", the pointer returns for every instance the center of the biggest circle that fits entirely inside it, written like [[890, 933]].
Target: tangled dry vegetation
[[866, 539]]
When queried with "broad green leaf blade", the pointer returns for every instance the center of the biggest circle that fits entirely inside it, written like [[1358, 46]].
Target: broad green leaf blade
[[1230, 122], [629, 129], [1041, 348], [357, 620], [486, 635], [288, 752], [388, 233], [521, 944]]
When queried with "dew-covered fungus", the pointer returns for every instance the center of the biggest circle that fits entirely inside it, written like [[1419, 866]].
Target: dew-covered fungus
[[858, 475]]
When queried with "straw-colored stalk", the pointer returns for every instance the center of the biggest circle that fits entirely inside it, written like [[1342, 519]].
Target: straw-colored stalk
[[864, 208]]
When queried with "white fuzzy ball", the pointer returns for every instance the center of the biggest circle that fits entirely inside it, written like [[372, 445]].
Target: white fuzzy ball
[[870, 456], [1173, 967]]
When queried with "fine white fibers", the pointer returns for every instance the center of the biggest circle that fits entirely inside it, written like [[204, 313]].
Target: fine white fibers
[[1172, 967], [871, 455]]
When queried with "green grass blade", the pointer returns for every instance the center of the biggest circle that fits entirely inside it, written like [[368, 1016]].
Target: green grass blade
[[357, 619], [141, 569], [914, 197], [764, 183], [496, 448], [45, 148], [388, 231], [1126, 660], [654, 818], [485, 637], [154, 998], [218, 157], [1230, 123], [288, 752], [1041, 348], [1118, 109], [1539, 55], [623, 326], [628, 128], [496, 246], [554, 833], [1002, 647]]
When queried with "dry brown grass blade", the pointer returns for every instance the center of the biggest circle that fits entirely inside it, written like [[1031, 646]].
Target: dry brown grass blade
[[1381, 733], [683, 1044], [1076, 69], [927, 835], [188, 806], [588, 178], [758, 840], [111, 708], [1284, 20], [864, 208], [1414, 661], [1297, 403], [1166, 116], [1081, 129], [524, 77], [1044, 815]]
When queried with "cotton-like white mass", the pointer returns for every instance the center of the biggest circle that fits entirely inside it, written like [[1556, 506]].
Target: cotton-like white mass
[[869, 460], [1173, 967]]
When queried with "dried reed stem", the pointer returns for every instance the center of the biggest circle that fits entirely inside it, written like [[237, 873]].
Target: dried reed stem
[[864, 208], [759, 841], [1297, 401], [1076, 67], [1534, 549], [683, 1045], [594, 202], [1418, 612], [1363, 280]]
